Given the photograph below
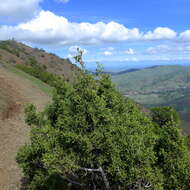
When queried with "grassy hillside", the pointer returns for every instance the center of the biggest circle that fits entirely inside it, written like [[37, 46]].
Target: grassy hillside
[[32, 64], [159, 86], [16, 90], [17, 53], [6, 92], [36, 82], [162, 78]]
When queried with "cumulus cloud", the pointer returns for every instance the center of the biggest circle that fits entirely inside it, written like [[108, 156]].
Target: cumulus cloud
[[49, 29], [18, 10], [116, 32], [130, 51], [160, 33], [185, 36], [107, 53]]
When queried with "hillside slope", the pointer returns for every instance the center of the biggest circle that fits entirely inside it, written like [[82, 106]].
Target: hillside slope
[[17, 53], [162, 78], [15, 92], [159, 86]]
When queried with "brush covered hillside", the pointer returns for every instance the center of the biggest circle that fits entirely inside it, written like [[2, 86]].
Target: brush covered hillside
[[17, 53], [158, 86]]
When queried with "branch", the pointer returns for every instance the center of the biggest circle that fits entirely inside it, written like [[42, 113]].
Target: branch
[[102, 173], [70, 181], [147, 186], [90, 170], [104, 178]]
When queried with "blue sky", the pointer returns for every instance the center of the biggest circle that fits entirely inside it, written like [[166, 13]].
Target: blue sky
[[107, 30], [144, 14]]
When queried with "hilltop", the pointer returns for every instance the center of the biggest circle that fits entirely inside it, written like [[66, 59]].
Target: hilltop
[[14, 53]]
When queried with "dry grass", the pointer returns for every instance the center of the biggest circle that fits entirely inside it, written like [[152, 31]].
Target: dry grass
[[15, 92]]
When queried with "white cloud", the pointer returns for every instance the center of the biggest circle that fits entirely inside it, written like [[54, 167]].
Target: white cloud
[[107, 53], [113, 32], [160, 33], [185, 36], [49, 29], [130, 51], [18, 10]]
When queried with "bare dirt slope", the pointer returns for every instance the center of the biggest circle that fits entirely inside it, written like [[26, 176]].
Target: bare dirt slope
[[14, 93]]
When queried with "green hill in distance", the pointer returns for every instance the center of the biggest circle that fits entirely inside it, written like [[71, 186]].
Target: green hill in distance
[[159, 86]]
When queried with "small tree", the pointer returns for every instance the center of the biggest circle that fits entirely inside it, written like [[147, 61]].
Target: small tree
[[91, 137]]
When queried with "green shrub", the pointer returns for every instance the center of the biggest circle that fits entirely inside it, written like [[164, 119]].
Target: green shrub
[[91, 137], [90, 125]]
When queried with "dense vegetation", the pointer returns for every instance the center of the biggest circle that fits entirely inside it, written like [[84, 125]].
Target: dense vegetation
[[91, 137], [159, 86]]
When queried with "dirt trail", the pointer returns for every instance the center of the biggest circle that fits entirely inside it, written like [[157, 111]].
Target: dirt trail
[[13, 131]]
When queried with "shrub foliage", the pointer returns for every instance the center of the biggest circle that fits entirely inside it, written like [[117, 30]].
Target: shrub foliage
[[91, 137]]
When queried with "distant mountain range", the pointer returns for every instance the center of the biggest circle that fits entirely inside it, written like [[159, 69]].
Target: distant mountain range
[[119, 66], [130, 70]]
